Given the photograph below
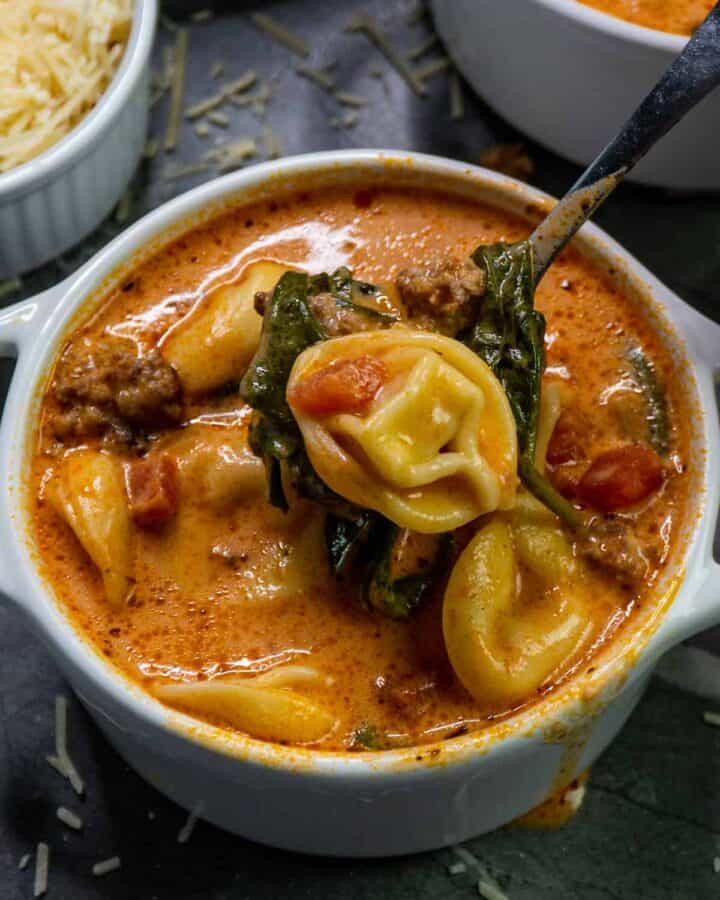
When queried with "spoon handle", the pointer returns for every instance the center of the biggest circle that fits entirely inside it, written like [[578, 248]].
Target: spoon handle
[[692, 75]]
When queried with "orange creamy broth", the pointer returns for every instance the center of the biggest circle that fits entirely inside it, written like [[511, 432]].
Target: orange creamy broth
[[203, 605], [674, 16]]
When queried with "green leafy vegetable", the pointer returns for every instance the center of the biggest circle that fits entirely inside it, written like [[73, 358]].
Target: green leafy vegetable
[[656, 403], [366, 737], [290, 325], [347, 539], [509, 335], [407, 566]]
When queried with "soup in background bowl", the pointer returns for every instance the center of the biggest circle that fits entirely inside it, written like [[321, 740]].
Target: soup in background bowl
[[678, 17], [439, 664]]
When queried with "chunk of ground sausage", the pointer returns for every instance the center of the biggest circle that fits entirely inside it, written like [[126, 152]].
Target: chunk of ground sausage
[[339, 320], [612, 546], [621, 477], [112, 392], [152, 488], [444, 292]]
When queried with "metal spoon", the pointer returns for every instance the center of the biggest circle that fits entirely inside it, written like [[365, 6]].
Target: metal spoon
[[693, 74]]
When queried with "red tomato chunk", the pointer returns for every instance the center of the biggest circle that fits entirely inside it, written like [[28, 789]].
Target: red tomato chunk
[[566, 443], [621, 477], [345, 386], [152, 486]]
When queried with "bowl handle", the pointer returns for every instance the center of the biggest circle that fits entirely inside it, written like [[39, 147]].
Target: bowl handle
[[19, 325]]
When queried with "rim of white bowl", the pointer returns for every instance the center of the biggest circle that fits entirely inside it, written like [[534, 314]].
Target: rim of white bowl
[[80, 140], [82, 656], [616, 27]]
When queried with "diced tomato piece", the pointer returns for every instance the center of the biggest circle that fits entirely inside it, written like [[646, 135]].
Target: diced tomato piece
[[621, 477], [345, 386], [152, 486], [569, 438], [565, 478]]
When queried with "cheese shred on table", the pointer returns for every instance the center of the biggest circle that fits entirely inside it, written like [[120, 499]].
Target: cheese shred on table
[[57, 57]]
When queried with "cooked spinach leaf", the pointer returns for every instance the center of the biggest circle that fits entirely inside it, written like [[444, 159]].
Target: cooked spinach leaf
[[366, 737], [407, 565], [290, 326], [509, 335], [655, 400], [347, 539]]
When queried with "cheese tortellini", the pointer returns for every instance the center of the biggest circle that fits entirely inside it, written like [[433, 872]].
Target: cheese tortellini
[[217, 468], [267, 707], [516, 607], [436, 447], [215, 342], [88, 492]]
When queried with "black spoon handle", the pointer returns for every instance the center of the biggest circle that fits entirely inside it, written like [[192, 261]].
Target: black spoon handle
[[692, 75]]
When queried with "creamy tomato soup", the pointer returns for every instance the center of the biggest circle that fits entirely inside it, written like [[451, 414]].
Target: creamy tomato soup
[[675, 16], [346, 558]]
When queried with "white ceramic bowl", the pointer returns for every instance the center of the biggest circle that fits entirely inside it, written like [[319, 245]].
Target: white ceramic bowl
[[568, 76], [56, 199], [362, 804]]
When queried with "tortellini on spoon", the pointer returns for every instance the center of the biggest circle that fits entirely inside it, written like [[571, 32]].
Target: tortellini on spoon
[[409, 423]]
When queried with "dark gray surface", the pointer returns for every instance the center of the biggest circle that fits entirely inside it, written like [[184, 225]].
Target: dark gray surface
[[651, 824]]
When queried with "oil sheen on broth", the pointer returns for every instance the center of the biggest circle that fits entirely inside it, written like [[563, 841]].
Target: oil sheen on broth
[[224, 589]]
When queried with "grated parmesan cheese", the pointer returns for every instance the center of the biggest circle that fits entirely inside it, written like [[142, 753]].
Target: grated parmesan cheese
[[61, 761], [318, 76], [42, 862], [487, 886], [423, 48], [177, 89], [105, 866], [233, 155], [347, 99], [281, 34], [56, 61], [490, 891], [434, 67], [228, 90], [69, 818], [218, 118], [363, 24], [273, 147], [186, 831], [458, 868]]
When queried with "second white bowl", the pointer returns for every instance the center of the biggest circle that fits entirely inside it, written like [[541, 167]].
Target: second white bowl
[[53, 201], [569, 76]]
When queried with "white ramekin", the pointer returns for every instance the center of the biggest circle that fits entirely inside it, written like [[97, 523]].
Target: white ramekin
[[53, 201], [568, 76], [365, 804]]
